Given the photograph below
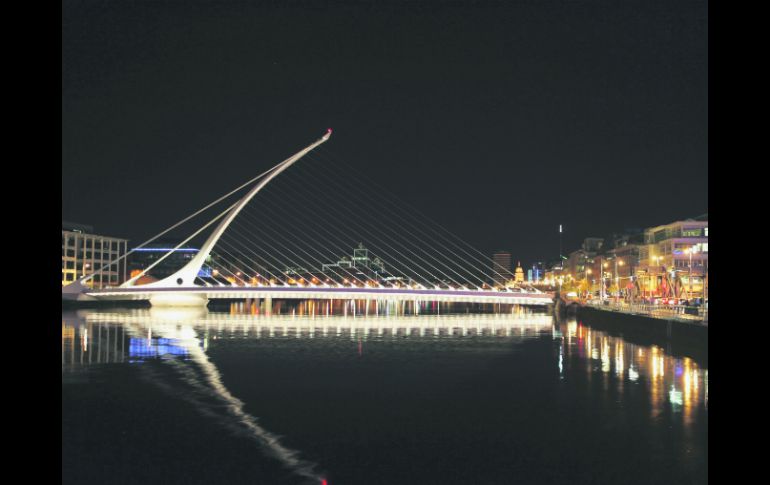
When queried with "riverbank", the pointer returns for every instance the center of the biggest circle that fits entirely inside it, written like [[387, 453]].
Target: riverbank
[[679, 337]]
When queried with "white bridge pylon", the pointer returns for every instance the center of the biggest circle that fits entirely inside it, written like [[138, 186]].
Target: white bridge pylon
[[180, 288], [185, 277]]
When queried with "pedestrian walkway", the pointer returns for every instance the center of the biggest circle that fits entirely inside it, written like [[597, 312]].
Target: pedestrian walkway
[[696, 315]]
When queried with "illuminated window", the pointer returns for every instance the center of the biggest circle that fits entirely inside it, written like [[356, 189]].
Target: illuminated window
[[706, 231]]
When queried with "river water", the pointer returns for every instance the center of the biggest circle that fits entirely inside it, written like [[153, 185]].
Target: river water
[[197, 397]]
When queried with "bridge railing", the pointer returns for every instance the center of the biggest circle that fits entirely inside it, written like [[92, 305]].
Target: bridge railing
[[685, 312]]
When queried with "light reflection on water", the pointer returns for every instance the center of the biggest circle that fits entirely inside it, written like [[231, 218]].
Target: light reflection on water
[[98, 337], [128, 336], [677, 386], [677, 382]]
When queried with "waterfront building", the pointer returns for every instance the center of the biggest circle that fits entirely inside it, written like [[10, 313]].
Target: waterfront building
[[585, 263], [536, 274], [593, 244], [519, 275], [83, 252], [673, 261], [501, 267], [555, 271], [623, 260], [580, 264]]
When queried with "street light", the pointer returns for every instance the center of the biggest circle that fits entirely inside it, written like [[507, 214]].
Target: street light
[[617, 277], [657, 260], [689, 251], [602, 265]]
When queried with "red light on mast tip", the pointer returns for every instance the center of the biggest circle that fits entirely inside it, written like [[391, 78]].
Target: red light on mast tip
[[328, 130]]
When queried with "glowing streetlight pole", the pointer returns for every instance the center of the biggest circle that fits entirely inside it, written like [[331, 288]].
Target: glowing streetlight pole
[[657, 261], [689, 276], [601, 270], [617, 278]]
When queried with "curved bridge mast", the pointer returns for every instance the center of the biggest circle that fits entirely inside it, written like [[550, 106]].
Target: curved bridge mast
[[185, 277]]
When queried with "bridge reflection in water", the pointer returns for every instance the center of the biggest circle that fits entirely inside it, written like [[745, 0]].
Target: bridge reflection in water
[[180, 337], [100, 337], [614, 369]]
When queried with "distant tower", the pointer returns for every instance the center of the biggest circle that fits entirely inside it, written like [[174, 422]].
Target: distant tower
[[501, 267], [519, 276]]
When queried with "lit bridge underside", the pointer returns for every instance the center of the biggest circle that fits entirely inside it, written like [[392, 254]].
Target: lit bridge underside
[[197, 295]]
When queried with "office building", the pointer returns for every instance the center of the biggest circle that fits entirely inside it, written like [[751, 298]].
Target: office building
[[501, 268], [84, 253]]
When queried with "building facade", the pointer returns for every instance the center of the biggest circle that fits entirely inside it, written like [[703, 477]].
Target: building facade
[[519, 274], [84, 253], [501, 268], [674, 259]]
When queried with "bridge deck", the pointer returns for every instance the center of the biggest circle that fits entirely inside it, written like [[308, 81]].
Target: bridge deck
[[323, 293]]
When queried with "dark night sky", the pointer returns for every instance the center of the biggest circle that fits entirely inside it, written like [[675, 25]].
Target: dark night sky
[[500, 120]]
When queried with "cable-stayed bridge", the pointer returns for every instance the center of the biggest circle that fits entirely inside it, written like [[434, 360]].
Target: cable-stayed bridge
[[294, 241]]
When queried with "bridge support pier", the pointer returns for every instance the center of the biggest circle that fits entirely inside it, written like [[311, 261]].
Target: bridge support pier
[[268, 302], [162, 299]]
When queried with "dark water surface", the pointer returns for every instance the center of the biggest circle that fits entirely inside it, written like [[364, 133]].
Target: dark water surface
[[172, 397]]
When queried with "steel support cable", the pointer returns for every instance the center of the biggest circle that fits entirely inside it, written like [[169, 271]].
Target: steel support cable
[[439, 260], [258, 267], [302, 261], [436, 262], [283, 209], [144, 271], [225, 268], [299, 264], [412, 210], [238, 268], [320, 269], [418, 275], [411, 260], [417, 227], [397, 260], [467, 282], [256, 270], [294, 238], [401, 259], [199, 211], [274, 259], [349, 274], [346, 246], [275, 262]]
